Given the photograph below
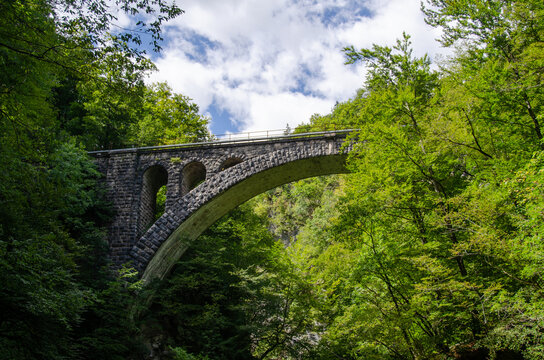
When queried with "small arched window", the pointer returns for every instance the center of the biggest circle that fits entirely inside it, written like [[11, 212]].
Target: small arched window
[[229, 163], [193, 174], [154, 182]]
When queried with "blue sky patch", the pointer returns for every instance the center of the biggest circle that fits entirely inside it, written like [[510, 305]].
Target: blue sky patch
[[221, 120]]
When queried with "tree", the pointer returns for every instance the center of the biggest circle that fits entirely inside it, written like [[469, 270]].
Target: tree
[[234, 295], [501, 42], [423, 215], [168, 118], [203, 306], [52, 246]]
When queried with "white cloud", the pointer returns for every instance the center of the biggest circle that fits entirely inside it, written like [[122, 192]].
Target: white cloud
[[392, 18], [190, 78], [276, 62], [279, 109]]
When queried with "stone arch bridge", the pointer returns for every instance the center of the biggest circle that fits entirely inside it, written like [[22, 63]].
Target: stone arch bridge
[[203, 181]]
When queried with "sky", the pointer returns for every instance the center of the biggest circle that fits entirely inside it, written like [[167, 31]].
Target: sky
[[254, 65]]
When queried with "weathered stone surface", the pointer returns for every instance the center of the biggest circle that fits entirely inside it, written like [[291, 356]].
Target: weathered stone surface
[[231, 174]]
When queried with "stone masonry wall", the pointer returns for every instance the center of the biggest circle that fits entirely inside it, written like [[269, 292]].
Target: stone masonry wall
[[124, 176]]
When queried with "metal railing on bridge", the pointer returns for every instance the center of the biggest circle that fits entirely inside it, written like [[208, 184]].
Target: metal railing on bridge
[[252, 135], [229, 138]]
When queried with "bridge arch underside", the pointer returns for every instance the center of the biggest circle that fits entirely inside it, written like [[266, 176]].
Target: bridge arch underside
[[157, 258]]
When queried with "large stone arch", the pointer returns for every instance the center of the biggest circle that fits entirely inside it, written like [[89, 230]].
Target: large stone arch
[[155, 253]]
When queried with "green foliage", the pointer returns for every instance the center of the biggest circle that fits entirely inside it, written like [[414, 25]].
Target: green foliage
[[111, 100], [501, 58], [59, 298], [234, 295], [181, 354], [430, 249], [168, 118], [115, 109], [53, 253], [288, 207], [160, 202], [200, 304], [106, 331]]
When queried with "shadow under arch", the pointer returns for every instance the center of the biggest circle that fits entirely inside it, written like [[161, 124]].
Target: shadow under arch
[[175, 244], [154, 177], [230, 162], [192, 174]]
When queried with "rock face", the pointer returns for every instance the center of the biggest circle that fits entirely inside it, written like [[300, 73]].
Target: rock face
[[203, 182]]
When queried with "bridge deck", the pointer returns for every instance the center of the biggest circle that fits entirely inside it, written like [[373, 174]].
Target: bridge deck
[[231, 141]]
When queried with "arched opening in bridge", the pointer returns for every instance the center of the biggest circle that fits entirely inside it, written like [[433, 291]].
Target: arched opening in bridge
[[193, 174], [154, 180], [230, 162]]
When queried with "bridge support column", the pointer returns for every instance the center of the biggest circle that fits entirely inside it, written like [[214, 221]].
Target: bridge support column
[[120, 173]]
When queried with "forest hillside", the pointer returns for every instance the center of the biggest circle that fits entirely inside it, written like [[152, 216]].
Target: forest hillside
[[431, 248]]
